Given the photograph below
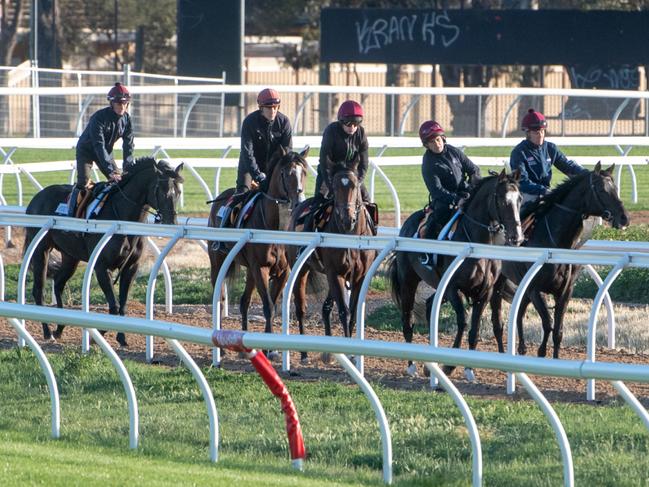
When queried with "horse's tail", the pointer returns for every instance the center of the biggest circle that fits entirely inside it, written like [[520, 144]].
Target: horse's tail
[[53, 262], [395, 284]]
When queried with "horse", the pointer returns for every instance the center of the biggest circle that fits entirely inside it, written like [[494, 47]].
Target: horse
[[558, 223], [349, 216], [489, 216], [265, 262], [147, 184]]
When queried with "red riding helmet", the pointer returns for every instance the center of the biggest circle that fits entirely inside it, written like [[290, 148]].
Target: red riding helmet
[[268, 97], [429, 130], [350, 111], [533, 120], [119, 92]]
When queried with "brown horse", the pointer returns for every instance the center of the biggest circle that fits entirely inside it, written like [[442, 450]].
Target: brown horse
[[559, 220], [343, 268], [491, 213], [265, 262]]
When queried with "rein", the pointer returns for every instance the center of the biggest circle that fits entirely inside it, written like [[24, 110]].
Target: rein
[[491, 228]]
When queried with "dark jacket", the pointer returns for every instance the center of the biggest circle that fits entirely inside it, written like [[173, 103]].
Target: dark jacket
[[535, 164], [260, 138], [338, 146], [99, 137], [446, 174]]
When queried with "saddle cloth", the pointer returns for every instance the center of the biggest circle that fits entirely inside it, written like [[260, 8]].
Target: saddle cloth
[[90, 200], [241, 206], [322, 214]]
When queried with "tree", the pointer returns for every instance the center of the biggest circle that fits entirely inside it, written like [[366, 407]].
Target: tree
[[11, 15]]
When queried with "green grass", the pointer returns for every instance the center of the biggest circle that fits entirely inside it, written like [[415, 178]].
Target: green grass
[[430, 442], [407, 180]]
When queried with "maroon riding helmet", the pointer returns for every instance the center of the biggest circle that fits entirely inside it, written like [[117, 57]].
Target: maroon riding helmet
[[350, 112], [533, 120], [118, 93], [268, 97], [429, 130]]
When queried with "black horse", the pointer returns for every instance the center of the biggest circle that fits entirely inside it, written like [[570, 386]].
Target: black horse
[[491, 213], [558, 222], [147, 184]]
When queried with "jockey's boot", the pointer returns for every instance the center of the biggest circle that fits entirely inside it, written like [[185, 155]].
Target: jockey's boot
[[428, 260], [222, 219], [72, 201]]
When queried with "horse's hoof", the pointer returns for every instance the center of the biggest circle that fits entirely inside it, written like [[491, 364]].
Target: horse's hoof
[[56, 335], [121, 339], [412, 370], [326, 358], [273, 355], [469, 375], [304, 358]]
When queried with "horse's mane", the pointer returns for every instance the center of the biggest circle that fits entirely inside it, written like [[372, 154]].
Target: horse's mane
[[541, 206], [476, 188], [147, 163]]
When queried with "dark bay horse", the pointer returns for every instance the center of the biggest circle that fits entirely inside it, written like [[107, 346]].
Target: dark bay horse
[[266, 263], [147, 184], [558, 223], [343, 268], [490, 216]]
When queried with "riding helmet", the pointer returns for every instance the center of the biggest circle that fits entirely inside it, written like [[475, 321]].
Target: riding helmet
[[533, 120], [350, 111], [268, 97], [429, 130], [117, 93]]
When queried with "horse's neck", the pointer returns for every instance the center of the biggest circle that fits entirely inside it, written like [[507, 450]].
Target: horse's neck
[[562, 225], [467, 231], [131, 199]]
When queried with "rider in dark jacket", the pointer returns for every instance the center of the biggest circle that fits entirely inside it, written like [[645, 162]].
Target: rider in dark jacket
[[262, 132], [97, 141], [535, 156], [448, 174], [343, 141]]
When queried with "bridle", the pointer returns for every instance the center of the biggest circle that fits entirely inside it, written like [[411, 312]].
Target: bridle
[[343, 207], [494, 227], [157, 215]]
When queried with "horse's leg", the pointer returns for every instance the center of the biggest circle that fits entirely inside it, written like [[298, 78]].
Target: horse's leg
[[458, 306], [299, 295], [327, 307], [522, 309], [39, 268], [546, 320], [560, 307], [474, 333], [125, 281], [244, 303], [337, 292], [406, 287], [65, 272], [106, 285], [496, 303], [261, 277], [353, 304]]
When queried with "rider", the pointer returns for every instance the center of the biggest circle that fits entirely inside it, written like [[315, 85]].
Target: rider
[[342, 141], [535, 156], [448, 174], [262, 133], [97, 140]]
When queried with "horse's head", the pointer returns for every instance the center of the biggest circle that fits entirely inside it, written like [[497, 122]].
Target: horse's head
[[503, 197], [163, 195], [346, 190], [602, 199], [289, 171]]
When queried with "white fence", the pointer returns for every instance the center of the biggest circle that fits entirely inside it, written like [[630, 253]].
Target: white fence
[[9, 146], [517, 366], [495, 111]]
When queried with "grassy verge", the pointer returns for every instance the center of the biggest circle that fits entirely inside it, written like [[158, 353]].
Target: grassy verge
[[430, 442]]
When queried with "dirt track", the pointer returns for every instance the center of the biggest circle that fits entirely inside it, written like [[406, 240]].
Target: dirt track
[[390, 373]]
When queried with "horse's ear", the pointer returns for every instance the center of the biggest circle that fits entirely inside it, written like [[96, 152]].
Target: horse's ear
[[516, 174], [598, 166], [305, 151], [610, 169], [354, 164], [329, 165], [179, 168], [502, 176]]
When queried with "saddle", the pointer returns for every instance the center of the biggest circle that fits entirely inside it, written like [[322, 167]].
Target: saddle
[[321, 214], [90, 200], [241, 205]]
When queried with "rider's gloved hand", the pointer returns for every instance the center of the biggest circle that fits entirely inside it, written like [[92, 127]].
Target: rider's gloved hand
[[461, 198], [260, 177], [115, 177]]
